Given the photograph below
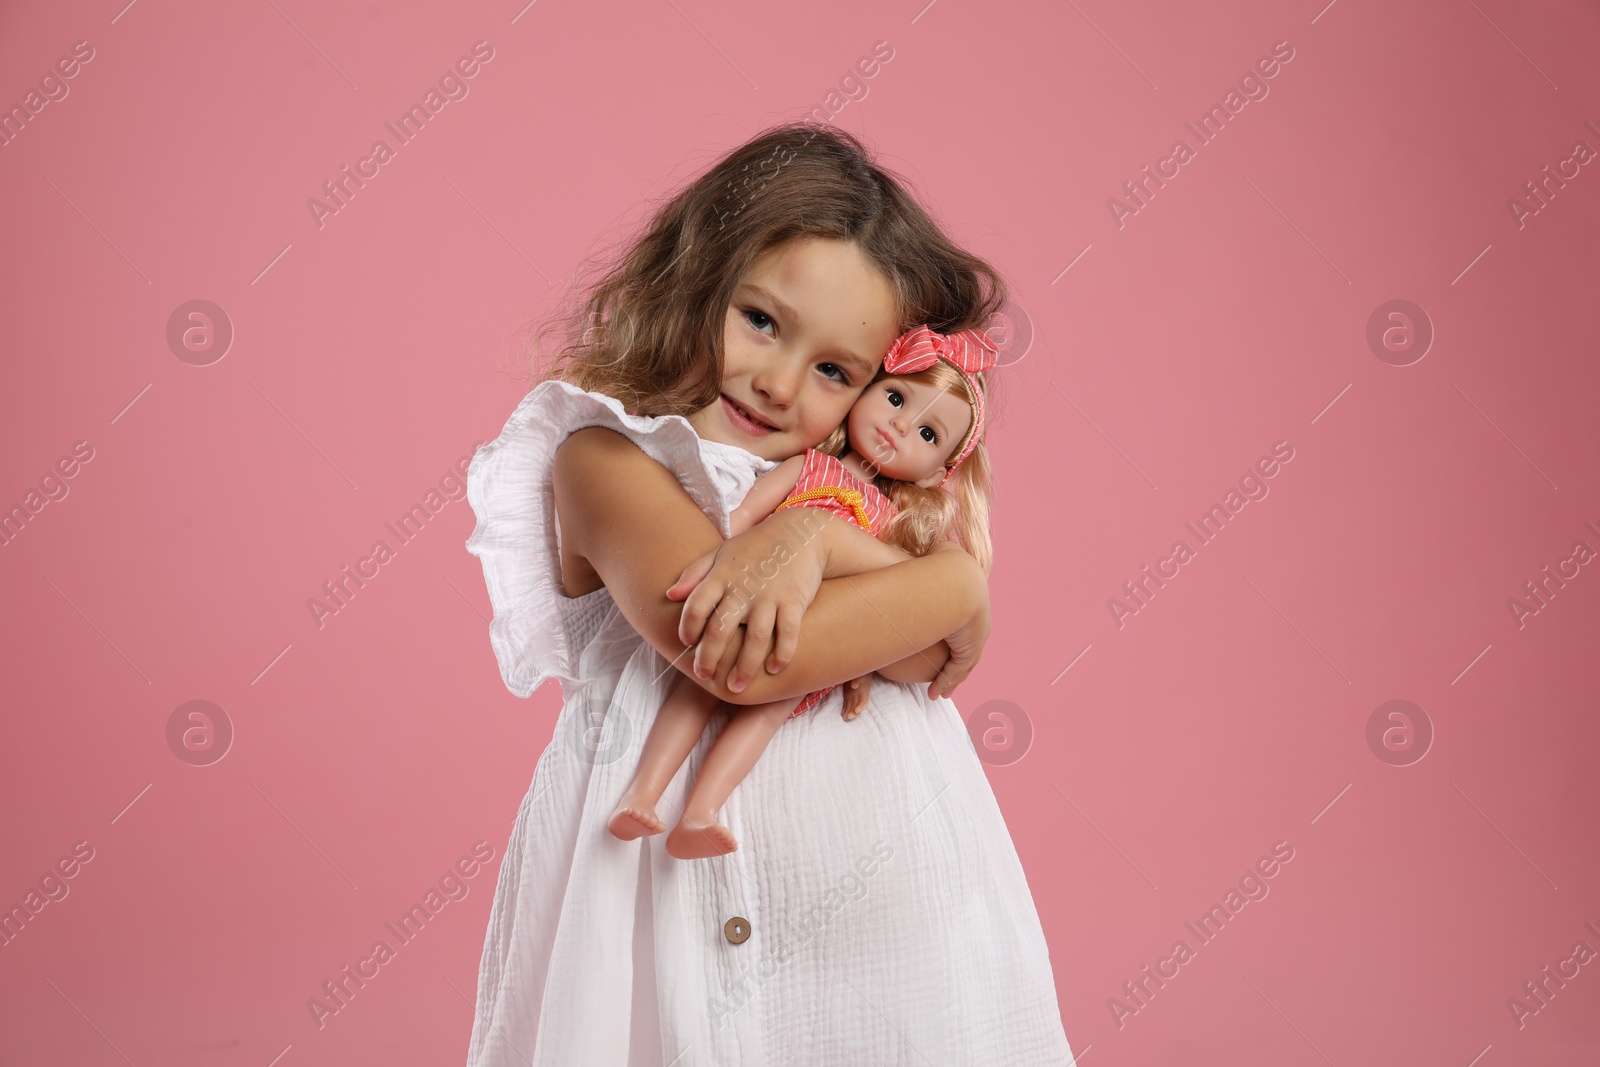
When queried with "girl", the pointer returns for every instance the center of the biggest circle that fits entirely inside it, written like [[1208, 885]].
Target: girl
[[918, 421], [886, 906]]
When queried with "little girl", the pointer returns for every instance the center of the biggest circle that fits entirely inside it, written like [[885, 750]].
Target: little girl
[[917, 421], [880, 900]]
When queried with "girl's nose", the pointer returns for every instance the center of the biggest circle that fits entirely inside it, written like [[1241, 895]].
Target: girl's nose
[[778, 381]]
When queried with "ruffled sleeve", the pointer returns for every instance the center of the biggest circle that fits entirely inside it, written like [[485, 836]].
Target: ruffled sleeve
[[537, 632]]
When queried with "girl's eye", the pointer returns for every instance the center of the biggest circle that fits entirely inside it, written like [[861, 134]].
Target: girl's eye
[[929, 436], [760, 320], [834, 371]]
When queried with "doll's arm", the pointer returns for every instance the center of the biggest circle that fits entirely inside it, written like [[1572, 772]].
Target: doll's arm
[[770, 490], [855, 551]]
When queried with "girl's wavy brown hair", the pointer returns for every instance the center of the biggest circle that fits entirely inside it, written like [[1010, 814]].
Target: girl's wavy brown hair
[[648, 330]]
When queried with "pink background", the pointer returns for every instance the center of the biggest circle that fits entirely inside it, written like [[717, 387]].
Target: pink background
[[1229, 313]]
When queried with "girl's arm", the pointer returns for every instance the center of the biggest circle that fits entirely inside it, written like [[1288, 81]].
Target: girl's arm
[[628, 517], [851, 555], [853, 551], [848, 552]]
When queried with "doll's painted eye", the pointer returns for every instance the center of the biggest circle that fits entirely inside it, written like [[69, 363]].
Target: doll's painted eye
[[929, 436], [895, 398]]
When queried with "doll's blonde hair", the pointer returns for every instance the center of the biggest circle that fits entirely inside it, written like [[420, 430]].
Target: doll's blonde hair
[[961, 506]]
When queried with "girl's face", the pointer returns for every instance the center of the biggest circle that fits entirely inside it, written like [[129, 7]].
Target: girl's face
[[807, 330], [906, 430]]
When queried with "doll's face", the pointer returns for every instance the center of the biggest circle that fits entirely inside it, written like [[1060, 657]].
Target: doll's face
[[807, 328], [907, 430]]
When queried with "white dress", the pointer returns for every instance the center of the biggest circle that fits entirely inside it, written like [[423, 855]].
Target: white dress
[[875, 911]]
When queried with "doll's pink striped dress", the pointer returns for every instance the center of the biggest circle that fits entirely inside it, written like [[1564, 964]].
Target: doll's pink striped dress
[[826, 483]]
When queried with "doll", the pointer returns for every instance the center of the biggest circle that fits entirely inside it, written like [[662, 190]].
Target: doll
[[907, 434]]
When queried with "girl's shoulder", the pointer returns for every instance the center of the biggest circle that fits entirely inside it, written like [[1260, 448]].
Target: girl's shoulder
[[555, 410], [538, 632]]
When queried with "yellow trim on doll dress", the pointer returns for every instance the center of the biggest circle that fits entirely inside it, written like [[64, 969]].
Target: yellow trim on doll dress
[[850, 497]]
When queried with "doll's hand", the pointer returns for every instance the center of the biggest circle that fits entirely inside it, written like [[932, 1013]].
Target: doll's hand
[[855, 695], [763, 579]]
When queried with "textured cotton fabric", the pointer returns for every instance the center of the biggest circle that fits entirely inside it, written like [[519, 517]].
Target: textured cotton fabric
[[883, 914]]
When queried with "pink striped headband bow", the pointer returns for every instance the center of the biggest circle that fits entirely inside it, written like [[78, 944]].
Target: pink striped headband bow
[[969, 351]]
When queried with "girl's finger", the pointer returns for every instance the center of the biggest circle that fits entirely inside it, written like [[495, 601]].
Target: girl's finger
[[953, 674], [757, 643], [723, 625], [696, 610], [722, 665], [789, 616], [692, 576]]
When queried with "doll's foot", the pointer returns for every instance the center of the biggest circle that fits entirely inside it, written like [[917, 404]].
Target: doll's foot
[[631, 821], [698, 840]]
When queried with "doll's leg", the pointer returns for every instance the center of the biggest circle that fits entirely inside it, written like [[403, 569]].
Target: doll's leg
[[678, 726], [698, 833]]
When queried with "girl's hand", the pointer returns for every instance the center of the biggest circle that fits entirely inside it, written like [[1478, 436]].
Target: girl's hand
[[763, 579], [966, 647]]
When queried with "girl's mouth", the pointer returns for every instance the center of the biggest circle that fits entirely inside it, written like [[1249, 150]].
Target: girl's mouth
[[744, 420]]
